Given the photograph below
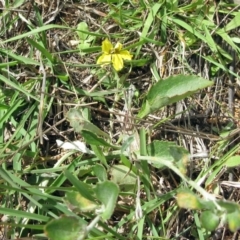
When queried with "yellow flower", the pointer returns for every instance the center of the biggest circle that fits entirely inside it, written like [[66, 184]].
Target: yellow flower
[[114, 55]]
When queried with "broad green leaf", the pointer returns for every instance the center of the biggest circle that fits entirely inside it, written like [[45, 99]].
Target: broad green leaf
[[209, 220], [82, 26], [160, 149], [107, 192], [82, 47], [181, 158], [85, 38], [79, 123], [233, 219], [171, 90], [100, 172], [233, 161], [76, 201], [236, 39], [187, 199], [65, 228], [230, 207], [121, 175], [168, 151]]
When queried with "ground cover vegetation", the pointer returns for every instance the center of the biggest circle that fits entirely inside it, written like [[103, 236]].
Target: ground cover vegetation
[[119, 119]]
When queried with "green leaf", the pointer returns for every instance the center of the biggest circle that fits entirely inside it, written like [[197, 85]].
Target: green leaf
[[76, 201], [82, 47], [23, 214], [20, 58], [188, 27], [84, 189], [230, 207], [233, 161], [234, 23], [121, 175], [151, 16], [160, 149], [171, 90], [236, 39], [187, 199], [212, 175], [65, 228], [79, 123], [128, 140], [42, 49], [225, 36], [209, 39], [62, 77], [168, 151], [107, 192], [17, 87], [96, 148], [82, 26], [85, 38], [100, 172], [181, 158], [209, 220], [233, 219], [34, 31], [3, 107], [18, 3], [125, 161], [92, 139]]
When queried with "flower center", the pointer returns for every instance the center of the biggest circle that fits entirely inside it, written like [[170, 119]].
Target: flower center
[[112, 51]]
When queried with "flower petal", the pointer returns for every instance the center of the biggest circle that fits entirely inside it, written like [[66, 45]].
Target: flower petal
[[104, 59], [107, 46], [117, 62], [118, 47], [126, 55]]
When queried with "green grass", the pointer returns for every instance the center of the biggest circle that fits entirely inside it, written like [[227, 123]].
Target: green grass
[[133, 174]]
